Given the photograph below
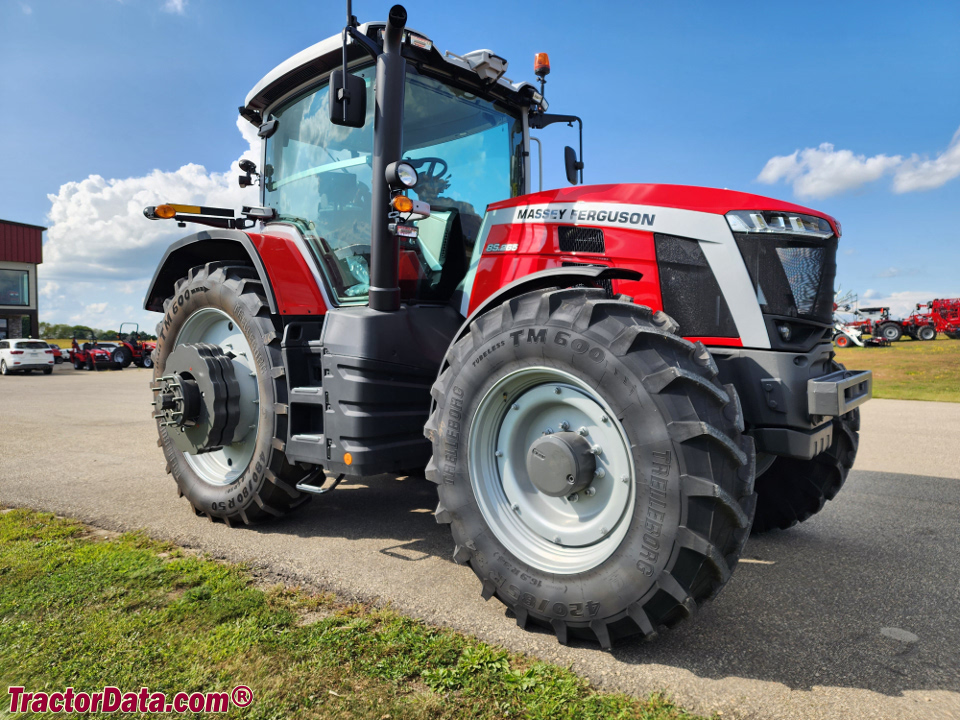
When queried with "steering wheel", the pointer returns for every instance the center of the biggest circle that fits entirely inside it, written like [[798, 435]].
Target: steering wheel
[[431, 163]]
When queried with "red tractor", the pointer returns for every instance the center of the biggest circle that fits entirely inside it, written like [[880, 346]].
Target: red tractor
[[94, 355], [876, 321], [609, 384], [931, 318], [132, 349]]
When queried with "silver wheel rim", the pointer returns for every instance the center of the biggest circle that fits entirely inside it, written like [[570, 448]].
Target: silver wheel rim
[[562, 535], [209, 325]]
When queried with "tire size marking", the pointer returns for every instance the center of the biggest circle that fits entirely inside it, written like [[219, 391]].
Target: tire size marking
[[538, 336], [656, 507], [543, 605]]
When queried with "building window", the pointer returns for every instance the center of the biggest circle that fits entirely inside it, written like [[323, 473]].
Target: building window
[[14, 287], [3, 328]]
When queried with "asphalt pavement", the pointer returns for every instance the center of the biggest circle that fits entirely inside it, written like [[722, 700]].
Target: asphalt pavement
[[854, 614]]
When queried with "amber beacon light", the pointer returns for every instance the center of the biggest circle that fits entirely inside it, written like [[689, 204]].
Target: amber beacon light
[[541, 65]]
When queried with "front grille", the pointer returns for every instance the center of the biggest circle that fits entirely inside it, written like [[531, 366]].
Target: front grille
[[580, 239], [792, 277], [690, 291]]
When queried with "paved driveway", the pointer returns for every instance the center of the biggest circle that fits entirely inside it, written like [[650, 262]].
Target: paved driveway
[[854, 614]]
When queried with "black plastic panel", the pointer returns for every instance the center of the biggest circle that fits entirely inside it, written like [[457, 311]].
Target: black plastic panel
[[691, 294]]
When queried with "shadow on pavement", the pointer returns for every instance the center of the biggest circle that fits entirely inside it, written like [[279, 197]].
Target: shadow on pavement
[[805, 608]]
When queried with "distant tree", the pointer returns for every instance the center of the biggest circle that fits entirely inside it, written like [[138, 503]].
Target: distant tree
[[81, 331]]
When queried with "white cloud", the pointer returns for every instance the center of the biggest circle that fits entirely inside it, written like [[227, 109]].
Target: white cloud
[[49, 289], [175, 6], [892, 272], [27, 10], [824, 171], [100, 246], [916, 174]]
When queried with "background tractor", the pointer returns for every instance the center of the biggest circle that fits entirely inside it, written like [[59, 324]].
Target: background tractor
[[132, 349], [609, 384]]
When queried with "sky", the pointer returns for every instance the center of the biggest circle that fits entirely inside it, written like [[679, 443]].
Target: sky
[[851, 108]]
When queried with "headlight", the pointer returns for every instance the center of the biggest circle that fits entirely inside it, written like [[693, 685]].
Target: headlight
[[401, 175], [786, 332], [763, 221]]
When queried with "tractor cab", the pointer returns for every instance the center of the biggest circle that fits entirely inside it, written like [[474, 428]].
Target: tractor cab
[[464, 133]]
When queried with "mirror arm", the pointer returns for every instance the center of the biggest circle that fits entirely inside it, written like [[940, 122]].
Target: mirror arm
[[541, 120], [366, 44]]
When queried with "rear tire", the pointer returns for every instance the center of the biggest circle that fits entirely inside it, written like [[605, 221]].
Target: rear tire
[[48, 371], [891, 332], [122, 356], [793, 490], [690, 468], [266, 486], [77, 365]]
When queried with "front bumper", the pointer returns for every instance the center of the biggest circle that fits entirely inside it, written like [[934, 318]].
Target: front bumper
[[790, 398]]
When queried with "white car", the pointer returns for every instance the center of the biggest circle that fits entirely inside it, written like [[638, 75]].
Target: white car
[[25, 356]]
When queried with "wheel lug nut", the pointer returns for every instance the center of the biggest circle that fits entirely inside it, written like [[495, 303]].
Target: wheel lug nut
[[599, 473], [499, 453], [515, 407], [564, 425], [556, 391], [583, 431], [590, 492], [624, 479], [604, 418], [516, 508], [557, 540], [603, 531], [596, 450], [573, 498]]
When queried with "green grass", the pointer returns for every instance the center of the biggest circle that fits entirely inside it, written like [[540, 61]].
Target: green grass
[[80, 611], [910, 369]]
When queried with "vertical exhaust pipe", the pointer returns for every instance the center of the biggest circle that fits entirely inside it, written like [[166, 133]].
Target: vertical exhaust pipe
[[387, 148]]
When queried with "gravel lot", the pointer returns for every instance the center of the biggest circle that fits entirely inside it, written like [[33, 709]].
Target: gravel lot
[[854, 614]]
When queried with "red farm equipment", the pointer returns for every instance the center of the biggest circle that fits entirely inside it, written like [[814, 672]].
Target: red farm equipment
[[609, 384], [132, 349], [94, 356], [931, 318]]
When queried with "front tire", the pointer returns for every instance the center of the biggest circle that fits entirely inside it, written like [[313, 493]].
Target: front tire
[[251, 480], [683, 464], [791, 490], [927, 333]]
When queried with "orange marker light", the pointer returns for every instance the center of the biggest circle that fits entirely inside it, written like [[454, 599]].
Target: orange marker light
[[165, 211], [347, 459], [541, 65], [401, 203]]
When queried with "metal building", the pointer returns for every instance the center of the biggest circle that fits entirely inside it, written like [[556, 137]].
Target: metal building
[[21, 250]]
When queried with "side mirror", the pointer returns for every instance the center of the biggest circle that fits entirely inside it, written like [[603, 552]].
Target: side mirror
[[348, 99], [572, 165]]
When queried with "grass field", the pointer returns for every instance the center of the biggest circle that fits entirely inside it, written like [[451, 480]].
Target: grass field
[[83, 611], [909, 369]]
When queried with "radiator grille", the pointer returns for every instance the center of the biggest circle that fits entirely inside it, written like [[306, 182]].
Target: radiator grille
[[580, 239], [691, 294]]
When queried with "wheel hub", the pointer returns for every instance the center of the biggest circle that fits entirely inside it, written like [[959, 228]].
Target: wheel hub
[[198, 398], [561, 464]]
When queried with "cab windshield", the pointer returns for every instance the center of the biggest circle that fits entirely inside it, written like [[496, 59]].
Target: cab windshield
[[318, 176]]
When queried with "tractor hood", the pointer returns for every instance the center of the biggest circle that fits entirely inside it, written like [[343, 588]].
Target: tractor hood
[[683, 197]]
